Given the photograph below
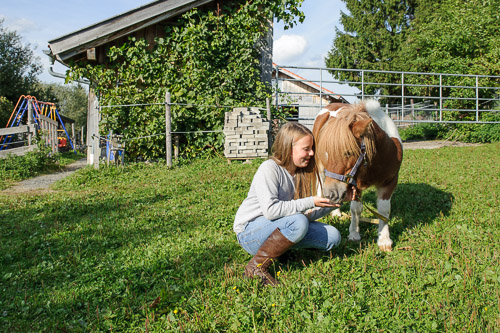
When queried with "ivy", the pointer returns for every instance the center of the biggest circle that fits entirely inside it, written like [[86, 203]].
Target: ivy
[[208, 59]]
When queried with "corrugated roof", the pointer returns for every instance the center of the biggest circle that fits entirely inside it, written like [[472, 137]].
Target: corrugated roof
[[69, 45]]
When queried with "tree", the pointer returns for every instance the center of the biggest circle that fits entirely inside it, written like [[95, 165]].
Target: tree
[[6, 108], [71, 100], [439, 36], [18, 65], [373, 32], [456, 36]]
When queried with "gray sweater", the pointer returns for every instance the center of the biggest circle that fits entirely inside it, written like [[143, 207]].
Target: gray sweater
[[271, 195]]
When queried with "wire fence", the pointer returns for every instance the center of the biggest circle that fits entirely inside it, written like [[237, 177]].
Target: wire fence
[[115, 140], [413, 97], [304, 98]]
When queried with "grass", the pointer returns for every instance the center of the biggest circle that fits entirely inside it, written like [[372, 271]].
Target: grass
[[147, 248], [16, 168]]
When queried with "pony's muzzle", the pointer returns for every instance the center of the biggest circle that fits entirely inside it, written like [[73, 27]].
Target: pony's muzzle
[[337, 192]]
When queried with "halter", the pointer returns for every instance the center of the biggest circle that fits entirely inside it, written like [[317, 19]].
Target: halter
[[349, 178]]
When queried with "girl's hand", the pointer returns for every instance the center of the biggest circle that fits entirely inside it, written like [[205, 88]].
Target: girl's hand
[[324, 202]]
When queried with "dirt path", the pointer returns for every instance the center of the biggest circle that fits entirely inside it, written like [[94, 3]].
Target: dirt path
[[43, 182], [435, 144]]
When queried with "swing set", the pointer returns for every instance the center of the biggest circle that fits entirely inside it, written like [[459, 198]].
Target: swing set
[[31, 111]]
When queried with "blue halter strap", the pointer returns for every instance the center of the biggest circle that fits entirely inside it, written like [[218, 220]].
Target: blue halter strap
[[350, 177]]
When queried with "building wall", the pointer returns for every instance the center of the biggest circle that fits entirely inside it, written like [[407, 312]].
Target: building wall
[[306, 98]]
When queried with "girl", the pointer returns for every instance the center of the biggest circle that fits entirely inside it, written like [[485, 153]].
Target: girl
[[279, 212]]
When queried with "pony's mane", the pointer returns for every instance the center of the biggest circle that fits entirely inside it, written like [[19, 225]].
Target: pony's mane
[[336, 136]]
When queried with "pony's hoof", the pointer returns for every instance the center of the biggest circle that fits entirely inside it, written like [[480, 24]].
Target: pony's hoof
[[385, 246], [336, 213], [354, 237]]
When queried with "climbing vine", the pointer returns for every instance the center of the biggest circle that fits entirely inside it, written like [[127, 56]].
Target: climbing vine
[[209, 57]]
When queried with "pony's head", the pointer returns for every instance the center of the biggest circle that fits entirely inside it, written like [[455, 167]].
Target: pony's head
[[341, 140]]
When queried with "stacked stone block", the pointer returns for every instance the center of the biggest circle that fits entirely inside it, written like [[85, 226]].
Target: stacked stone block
[[246, 134]]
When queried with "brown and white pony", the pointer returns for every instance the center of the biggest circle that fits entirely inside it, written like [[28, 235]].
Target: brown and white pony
[[358, 146]]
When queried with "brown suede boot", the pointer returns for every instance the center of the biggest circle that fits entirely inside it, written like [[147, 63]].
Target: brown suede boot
[[274, 246]]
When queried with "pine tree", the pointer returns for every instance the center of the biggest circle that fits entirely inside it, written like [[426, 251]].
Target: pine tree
[[373, 32]]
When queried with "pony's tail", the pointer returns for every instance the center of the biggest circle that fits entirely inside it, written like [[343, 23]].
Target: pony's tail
[[372, 106]]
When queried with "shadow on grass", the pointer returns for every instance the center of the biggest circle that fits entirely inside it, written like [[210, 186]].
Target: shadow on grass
[[103, 256], [412, 205]]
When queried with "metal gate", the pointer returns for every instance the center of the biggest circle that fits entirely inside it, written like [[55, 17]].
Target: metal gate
[[407, 97]]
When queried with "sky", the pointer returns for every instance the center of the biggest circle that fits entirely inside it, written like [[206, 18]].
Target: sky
[[37, 22]]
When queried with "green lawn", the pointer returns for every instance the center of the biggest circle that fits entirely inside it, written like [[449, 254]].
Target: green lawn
[[147, 248]]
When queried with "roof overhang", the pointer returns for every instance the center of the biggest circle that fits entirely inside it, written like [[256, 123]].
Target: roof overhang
[[68, 46], [321, 90]]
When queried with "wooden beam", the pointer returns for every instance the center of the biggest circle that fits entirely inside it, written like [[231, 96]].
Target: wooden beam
[[14, 130], [17, 151]]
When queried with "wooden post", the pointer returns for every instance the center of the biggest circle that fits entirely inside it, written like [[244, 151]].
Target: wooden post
[[270, 131], [82, 136], [176, 147], [55, 146], [168, 129], [93, 149], [31, 123], [73, 134]]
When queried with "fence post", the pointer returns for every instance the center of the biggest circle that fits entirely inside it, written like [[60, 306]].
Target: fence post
[[31, 123], [168, 129], [176, 147], [270, 131], [402, 96], [362, 85], [73, 134], [440, 97], [109, 147], [477, 98]]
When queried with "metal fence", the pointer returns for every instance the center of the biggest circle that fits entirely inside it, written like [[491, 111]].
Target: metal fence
[[411, 97]]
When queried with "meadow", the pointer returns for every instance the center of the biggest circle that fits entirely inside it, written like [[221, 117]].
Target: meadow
[[150, 248]]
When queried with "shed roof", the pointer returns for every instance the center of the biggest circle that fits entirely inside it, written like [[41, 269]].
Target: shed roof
[[334, 97], [68, 46]]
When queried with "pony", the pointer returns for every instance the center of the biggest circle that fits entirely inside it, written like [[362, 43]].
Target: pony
[[358, 146]]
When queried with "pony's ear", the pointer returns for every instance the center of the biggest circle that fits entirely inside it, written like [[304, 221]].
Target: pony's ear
[[359, 127], [319, 122]]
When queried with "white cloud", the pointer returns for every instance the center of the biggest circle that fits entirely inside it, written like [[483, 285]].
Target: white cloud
[[317, 60], [20, 25], [288, 48]]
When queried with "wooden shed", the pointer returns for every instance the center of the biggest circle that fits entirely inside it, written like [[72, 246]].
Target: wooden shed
[[91, 43]]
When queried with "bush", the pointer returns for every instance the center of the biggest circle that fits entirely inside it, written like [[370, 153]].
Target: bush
[[481, 133], [424, 131], [476, 133], [15, 168]]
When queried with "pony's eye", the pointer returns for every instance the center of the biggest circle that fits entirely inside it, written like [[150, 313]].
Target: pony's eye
[[348, 154]]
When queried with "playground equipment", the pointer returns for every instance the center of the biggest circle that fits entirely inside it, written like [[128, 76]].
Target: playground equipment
[[38, 116]]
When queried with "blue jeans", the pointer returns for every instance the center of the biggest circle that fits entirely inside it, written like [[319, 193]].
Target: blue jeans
[[295, 228]]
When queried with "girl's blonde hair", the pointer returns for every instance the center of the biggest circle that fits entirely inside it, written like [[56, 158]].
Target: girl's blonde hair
[[282, 155]]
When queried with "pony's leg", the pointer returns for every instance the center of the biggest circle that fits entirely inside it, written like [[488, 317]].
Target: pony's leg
[[356, 209], [384, 238]]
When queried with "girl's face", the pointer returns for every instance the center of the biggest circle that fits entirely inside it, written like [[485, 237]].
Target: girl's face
[[302, 151]]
